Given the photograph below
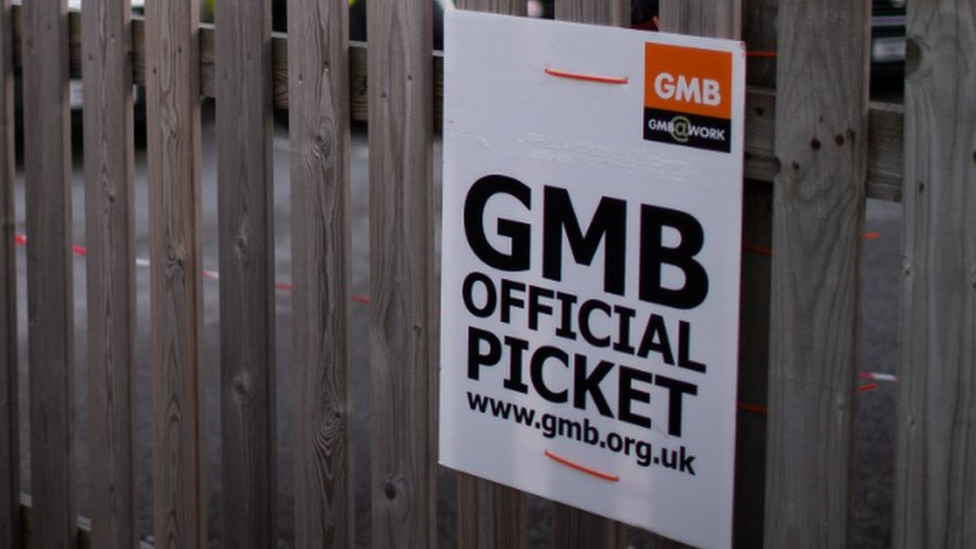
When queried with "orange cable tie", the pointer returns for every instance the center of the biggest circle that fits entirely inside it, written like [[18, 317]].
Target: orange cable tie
[[755, 408], [582, 468], [587, 77]]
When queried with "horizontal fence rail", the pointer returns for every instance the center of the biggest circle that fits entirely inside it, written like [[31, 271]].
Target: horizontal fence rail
[[885, 138], [815, 150]]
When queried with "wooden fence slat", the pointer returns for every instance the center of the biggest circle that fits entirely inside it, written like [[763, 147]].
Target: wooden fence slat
[[720, 19], [490, 515], [173, 135], [575, 528], [403, 322], [615, 13], [935, 475], [320, 197], [245, 165], [50, 305], [821, 140], [9, 423], [503, 7], [110, 230]]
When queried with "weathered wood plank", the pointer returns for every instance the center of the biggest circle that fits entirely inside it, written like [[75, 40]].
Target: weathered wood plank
[[720, 19], [110, 230], [320, 148], [504, 7], [403, 322], [575, 528], [822, 142], [173, 135], [885, 165], [247, 302], [9, 422], [615, 13], [490, 515], [935, 471], [50, 305]]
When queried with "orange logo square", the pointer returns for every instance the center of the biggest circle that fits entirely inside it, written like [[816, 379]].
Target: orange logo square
[[688, 80]]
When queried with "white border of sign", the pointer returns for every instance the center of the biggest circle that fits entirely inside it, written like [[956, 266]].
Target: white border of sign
[[581, 358]]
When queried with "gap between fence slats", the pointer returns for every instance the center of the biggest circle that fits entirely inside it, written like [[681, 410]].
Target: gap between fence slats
[[934, 468], [173, 135], [403, 327], [245, 230], [320, 198], [490, 515], [759, 33], [574, 528], [9, 412], [822, 141], [110, 232], [50, 303]]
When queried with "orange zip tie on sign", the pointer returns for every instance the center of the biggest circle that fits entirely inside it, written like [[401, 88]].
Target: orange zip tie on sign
[[582, 468], [587, 77]]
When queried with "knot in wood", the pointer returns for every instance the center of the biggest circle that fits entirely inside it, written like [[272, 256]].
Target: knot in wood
[[390, 490]]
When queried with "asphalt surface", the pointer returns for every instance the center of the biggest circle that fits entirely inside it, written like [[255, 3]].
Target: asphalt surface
[[875, 419]]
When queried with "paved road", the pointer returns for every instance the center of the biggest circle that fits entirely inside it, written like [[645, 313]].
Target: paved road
[[874, 426]]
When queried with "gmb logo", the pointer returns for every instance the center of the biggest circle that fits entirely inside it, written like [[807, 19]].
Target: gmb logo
[[692, 90], [680, 129]]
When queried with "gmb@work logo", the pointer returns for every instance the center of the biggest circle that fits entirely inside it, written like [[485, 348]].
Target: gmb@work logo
[[687, 97]]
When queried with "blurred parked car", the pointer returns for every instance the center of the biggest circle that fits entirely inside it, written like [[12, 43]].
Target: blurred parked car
[[888, 22]]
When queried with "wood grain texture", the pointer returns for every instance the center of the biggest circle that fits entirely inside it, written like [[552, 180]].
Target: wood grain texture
[[821, 142], [574, 528], [615, 13], [320, 149], [403, 323], [935, 470], [885, 149], [173, 135], [503, 7], [9, 422], [246, 243], [716, 18], [50, 304], [490, 515], [110, 230]]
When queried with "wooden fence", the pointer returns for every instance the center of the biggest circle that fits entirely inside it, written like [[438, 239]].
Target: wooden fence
[[816, 148]]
